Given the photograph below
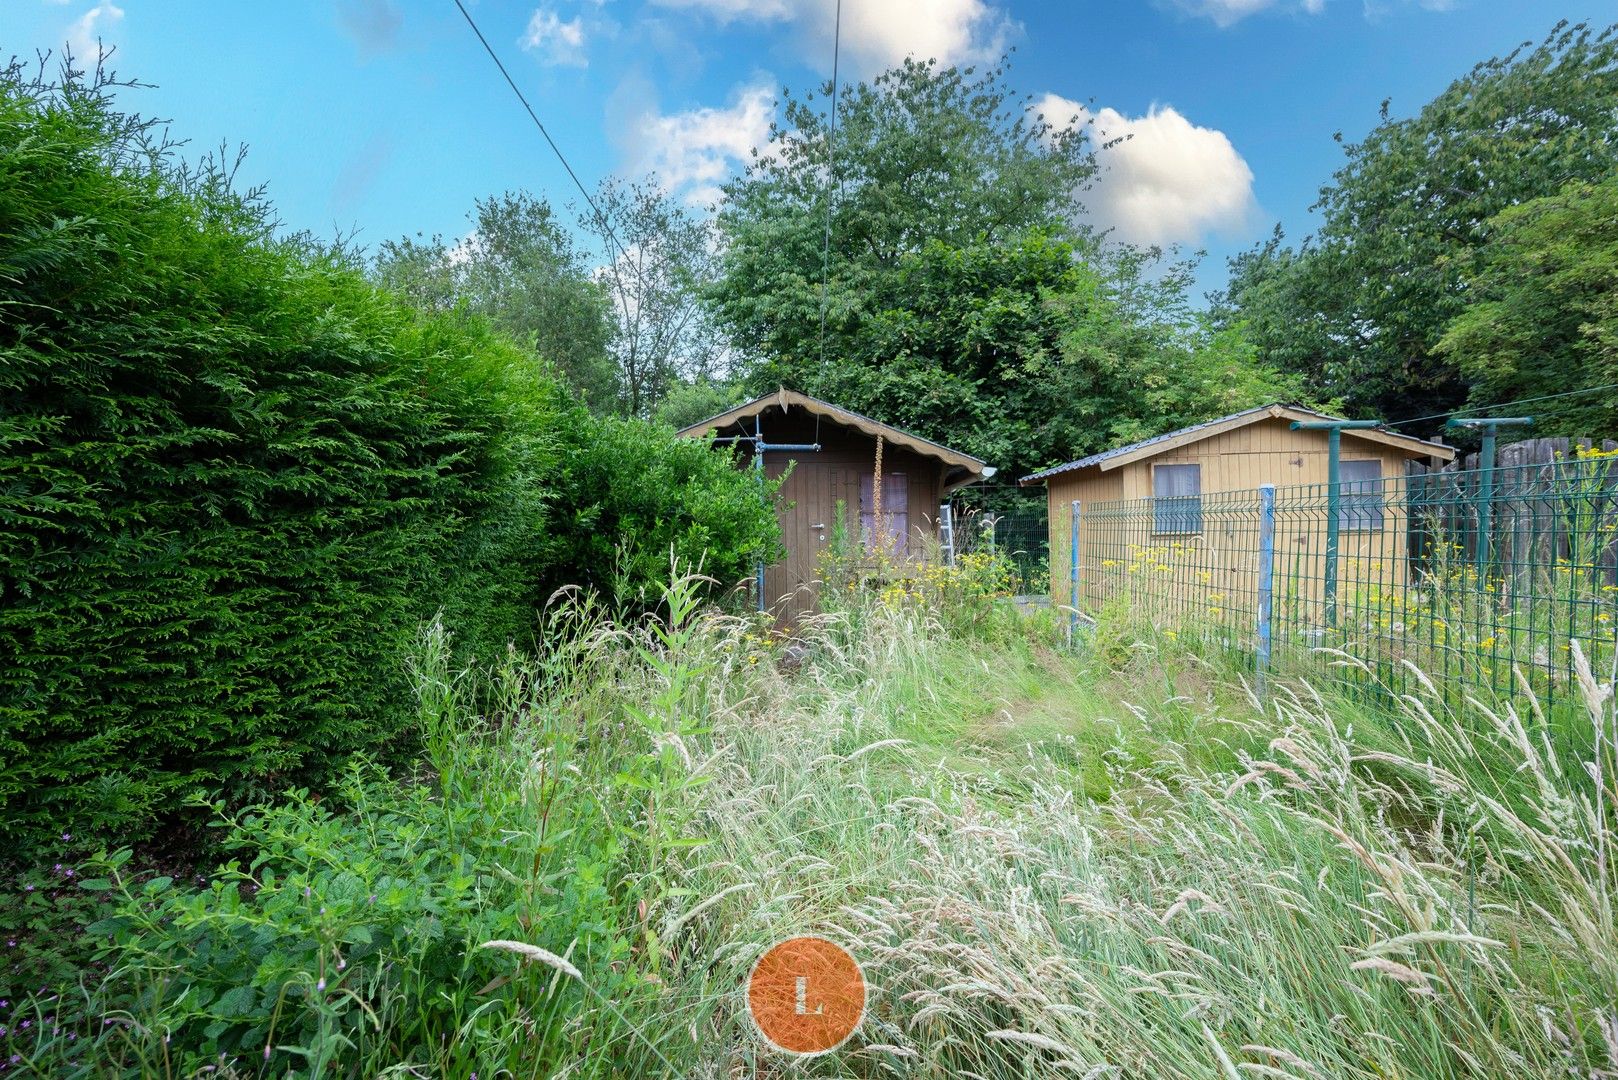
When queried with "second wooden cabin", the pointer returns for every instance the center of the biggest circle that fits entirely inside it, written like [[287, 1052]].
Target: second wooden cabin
[[1178, 512], [829, 457]]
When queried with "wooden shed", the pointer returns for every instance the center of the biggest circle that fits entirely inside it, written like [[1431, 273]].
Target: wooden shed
[[1159, 484], [829, 455]]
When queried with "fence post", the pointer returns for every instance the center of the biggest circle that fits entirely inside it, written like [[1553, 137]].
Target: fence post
[[1334, 444], [1485, 545], [1266, 580], [1073, 577]]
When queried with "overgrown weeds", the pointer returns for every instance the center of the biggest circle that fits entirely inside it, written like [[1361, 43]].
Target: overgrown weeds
[[1164, 878]]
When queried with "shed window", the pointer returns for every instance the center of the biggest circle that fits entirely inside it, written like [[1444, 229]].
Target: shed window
[[895, 511], [1177, 498], [1359, 496]]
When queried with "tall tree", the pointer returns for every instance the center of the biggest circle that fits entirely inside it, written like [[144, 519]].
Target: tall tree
[[658, 255], [1543, 317], [1022, 355], [520, 268], [1361, 306], [922, 154]]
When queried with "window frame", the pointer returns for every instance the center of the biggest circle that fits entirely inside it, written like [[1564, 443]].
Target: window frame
[[1165, 508], [892, 514], [1362, 511]]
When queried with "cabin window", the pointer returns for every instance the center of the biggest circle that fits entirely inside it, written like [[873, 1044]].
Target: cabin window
[[1359, 496], [1177, 498], [895, 511]]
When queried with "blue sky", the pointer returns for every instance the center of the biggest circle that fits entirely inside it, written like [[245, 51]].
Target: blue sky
[[386, 117]]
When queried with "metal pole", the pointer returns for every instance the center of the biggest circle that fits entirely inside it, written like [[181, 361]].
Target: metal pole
[[1073, 577], [1490, 428], [1266, 580], [1334, 444], [1485, 504], [758, 467], [1334, 453]]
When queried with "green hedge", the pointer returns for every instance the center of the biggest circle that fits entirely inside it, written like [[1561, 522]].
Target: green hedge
[[235, 478]]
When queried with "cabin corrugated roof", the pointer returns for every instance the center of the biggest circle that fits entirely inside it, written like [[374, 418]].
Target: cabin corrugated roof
[[1256, 412]]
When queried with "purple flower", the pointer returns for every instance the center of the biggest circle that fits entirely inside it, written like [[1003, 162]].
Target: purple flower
[[372, 900], [26, 1024], [67, 836], [72, 1035], [29, 888], [266, 1051], [321, 985], [70, 871], [11, 943]]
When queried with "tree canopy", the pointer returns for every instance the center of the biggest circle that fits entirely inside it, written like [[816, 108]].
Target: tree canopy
[[1543, 310], [1360, 307], [522, 269], [962, 300], [922, 154]]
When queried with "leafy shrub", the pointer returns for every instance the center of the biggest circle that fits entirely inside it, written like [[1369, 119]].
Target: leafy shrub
[[635, 491], [350, 939], [235, 479]]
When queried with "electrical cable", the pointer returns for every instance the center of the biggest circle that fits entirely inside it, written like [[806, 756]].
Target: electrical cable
[[830, 180], [601, 218], [1501, 405]]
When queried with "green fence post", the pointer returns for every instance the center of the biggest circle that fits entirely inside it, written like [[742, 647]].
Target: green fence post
[[1073, 577], [1490, 427], [1334, 452], [1266, 580], [1334, 444]]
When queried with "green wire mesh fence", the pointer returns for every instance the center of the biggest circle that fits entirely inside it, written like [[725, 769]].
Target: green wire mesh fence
[[1479, 578]]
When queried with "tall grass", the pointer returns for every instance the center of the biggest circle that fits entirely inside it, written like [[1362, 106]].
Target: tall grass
[[1300, 887]]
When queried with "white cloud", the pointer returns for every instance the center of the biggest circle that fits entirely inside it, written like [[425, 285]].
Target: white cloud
[[878, 33], [695, 151], [1225, 13], [1169, 182], [93, 31], [729, 10], [558, 43]]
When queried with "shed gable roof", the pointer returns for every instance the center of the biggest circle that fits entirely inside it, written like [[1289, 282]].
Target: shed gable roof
[[790, 399], [1122, 455]]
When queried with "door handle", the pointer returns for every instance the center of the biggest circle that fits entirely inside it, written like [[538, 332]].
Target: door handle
[[817, 526]]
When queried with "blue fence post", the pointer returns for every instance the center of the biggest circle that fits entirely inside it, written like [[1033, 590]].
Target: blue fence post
[[1073, 576], [1266, 580]]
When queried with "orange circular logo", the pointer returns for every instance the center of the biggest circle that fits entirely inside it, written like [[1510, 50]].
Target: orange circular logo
[[806, 995]]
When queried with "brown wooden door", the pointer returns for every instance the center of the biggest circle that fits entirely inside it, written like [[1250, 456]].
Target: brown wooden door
[[791, 586]]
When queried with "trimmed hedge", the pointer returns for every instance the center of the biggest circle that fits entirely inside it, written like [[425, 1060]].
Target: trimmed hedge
[[235, 478]]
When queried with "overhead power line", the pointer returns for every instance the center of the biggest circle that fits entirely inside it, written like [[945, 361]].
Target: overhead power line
[[601, 218], [1462, 413], [831, 178]]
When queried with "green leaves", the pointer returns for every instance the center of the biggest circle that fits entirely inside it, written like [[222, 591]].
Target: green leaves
[[1543, 315], [924, 155], [1361, 306], [234, 479]]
